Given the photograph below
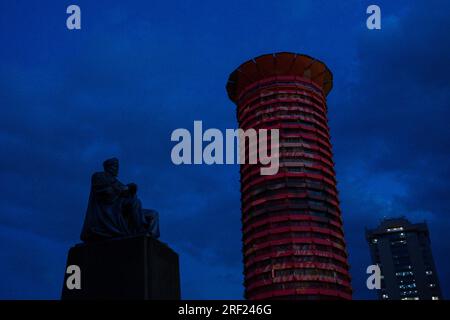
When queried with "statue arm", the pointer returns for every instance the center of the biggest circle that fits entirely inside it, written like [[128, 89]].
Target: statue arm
[[121, 188], [102, 187], [125, 189], [108, 188]]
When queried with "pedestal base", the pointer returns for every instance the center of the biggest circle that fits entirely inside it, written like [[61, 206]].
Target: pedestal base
[[127, 268]]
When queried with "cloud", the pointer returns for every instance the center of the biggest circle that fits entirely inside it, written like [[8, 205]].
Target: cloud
[[391, 127], [121, 96]]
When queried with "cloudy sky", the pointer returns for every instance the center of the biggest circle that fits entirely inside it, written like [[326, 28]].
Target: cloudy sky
[[137, 70]]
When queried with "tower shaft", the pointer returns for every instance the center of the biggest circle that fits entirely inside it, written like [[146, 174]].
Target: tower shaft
[[293, 240]]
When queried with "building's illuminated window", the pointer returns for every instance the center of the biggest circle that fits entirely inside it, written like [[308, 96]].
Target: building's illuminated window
[[404, 273], [407, 286], [398, 242], [394, 229], [434, 298]]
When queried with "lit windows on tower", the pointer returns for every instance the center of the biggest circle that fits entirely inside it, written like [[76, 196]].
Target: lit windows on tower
[[404, 251]]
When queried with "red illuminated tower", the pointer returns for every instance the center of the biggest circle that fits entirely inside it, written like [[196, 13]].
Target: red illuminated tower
[[293, 241]]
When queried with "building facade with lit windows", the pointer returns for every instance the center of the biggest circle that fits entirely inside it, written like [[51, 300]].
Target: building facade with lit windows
[[293, 239], [402, 250]]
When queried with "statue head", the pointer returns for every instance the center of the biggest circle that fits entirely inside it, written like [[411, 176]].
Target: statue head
[[111, 166]]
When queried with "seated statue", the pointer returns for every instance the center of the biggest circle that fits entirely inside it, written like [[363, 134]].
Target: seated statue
[[114, 209]]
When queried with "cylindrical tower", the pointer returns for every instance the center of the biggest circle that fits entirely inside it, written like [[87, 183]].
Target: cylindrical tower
[[293, 241]]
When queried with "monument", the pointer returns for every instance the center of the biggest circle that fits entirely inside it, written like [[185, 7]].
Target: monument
[[120, 257]]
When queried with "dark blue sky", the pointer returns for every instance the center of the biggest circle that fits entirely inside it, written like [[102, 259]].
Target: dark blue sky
[[140, 69]]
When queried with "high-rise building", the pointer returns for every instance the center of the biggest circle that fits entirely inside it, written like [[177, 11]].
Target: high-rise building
[[402, 251], [293, 241]]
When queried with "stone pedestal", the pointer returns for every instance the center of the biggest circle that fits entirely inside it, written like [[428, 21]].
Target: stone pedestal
[[127, 268]]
